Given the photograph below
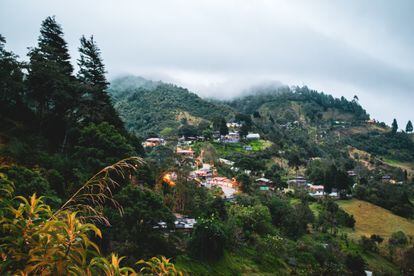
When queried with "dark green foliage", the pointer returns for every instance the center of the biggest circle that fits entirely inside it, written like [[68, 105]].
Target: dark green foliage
[[331, 216], [368, 244], [392, 197], [12, 86], [319, 101], [151, 107], [95, 104], [132, 233], [245, 182], [101, 145], [325, 172], [254, 219], [409, 127], [356, 264], [407, 262], [398, 239], [208, 240], [394, 126], [223, 129], [52, 90], [27, 182], [292, 220]]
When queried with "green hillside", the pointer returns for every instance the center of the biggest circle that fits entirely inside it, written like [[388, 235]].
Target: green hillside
[[149, 107]]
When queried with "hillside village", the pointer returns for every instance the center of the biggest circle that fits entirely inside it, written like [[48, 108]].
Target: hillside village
[[147, 178]]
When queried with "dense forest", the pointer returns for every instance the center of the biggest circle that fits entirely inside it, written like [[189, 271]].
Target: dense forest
[[80, 195]]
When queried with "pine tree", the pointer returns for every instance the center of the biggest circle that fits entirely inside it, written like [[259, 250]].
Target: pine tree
[[96, 103], [394, 126], [50, 72], [409, 127], [52, 87]]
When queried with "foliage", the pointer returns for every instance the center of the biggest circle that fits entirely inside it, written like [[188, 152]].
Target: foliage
[[355, 264], [392, 197], [151, 108], [251, 220], [132, 233], [208, 239]]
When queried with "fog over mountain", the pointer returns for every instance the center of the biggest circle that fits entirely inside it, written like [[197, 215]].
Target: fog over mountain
[[221, 48]]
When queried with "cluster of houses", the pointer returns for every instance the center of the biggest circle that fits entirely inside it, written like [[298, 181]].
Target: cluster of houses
[[317, 191], [181, 223]]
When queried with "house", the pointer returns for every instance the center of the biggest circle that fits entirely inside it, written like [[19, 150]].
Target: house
[[233, 125], [185, 152], [264, 184], [226, 162], [386, 178], [184, 223], [153, 142], [232, 137], [297, 182], [316, 190], [351, 173], [253, 136], [228, 186], [248, 148]]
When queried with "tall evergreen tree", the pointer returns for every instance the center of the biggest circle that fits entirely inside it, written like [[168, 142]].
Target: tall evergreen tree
[[96, 103], [11, 85], [52, 87], [394, 126], [409, 127]]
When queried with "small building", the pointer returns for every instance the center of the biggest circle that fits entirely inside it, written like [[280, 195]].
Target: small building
[[184, 223], [232, 137], [185, 152], [386, 178], [316, 190], [233, 125], [297, 182], [264, 184], [351, 173], [226, 162], [153, 142], [253, 136], [248, 148]]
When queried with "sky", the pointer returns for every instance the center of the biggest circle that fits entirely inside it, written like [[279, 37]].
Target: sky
[[221, 48]]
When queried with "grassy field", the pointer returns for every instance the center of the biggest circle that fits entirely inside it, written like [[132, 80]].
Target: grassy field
[[372, 219], [244, 262]]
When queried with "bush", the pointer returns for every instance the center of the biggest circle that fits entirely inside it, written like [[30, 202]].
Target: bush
[[356, 264], [208, 240]]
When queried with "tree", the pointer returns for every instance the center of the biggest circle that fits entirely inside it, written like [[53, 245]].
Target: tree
[[244, 130], [245, 182], [96, 105], [52, 90], [356, 264], [409, 127], [11, 88], [394, 126], [133, 233], [208, 239], [224, 130]]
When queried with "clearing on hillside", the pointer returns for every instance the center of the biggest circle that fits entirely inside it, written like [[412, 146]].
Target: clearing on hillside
[[372, 219]]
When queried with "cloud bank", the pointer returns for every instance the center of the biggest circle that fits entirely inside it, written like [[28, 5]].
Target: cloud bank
[[220, 48]]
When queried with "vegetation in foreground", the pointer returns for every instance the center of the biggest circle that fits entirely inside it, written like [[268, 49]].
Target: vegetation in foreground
[[57, 130]]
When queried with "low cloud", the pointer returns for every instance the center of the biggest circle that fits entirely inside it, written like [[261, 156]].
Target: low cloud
[[221, 48]]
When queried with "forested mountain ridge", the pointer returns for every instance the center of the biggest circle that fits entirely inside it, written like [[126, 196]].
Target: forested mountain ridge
[[150, 107], [75, 185]]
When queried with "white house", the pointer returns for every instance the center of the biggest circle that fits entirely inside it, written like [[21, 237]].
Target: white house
[[253, 136]]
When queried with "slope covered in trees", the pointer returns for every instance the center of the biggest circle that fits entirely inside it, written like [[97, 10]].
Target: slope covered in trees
[[60, 133], [148, 107]]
